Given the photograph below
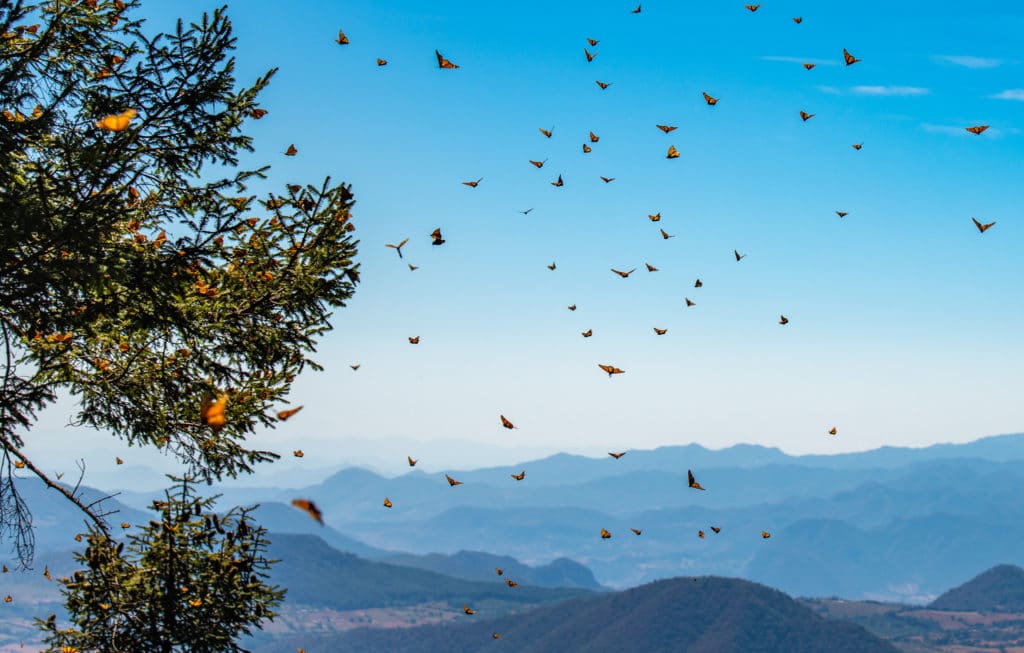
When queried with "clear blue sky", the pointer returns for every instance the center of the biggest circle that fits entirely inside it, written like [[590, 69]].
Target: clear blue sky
[[905, 322]]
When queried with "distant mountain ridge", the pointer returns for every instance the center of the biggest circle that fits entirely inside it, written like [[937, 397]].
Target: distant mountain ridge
[[1000, 589]]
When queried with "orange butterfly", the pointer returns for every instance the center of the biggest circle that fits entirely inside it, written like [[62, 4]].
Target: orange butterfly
[[611, 369], [467, 609], [46, 572], [783, 320], [594, 137], [438, 238], [857, 146], [587, 333], [538, 164], [700, 534], [414, 340], [765, 534], [693, 482], [666, 128], [651, 268], [258, 113], [752, 7], [552, 266], [118, 460], [496, 635], [842, 214], [607, 180], [977, 129], [387, 502], [342, 39], [413, 267], [473, 184], [285, 414], [291, 151], [398, 247], [617, 455], [716, 529], [587, 149], [637, 10], [504, 422], [660, 332], [8, 599], [412, 461], [212, 412], [798, 19], [298, 453], [572, 307], [590, 57], [559, 183], [499, 571], [511, 583], [806, 116], [355, 367], [636, 531], [698, 284], [623, 274], [382, 62], [451, 481], [655, 218], [808, 66], [982, 227], [673, 153], [833, 431], [689, 302], [310, 509], [444, 63], [738, 255], [547, 132], [710, 100], [19, 465], [592, 42], [605, 534], [665, 235], [603, 85], [118, 121], [520, 476], [849, 58]]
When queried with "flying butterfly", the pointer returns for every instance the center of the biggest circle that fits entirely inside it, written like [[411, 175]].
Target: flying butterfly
[[212, 412], [692, 481], [387, 503], [607, 180], [587, 149], [842, 214], [806, 116], [520, 476], [833, 431], [624, 275], [118, 121], [710, 100], [665, 235], [587, 333], [808, 66], [783, 320], [698, 284], [538, 164], [611, 369], [414, 340], [398, 247], [444, 63], [412, 461], [716, 529], [982, 228], [473, 184], [558, 183], [637, 10], [438, 238], [382, 62], [468, 610], [617, 455], [511, 583], [342, 39], [592, 42], [298, 453], [571, 307], [798, 19], [660, 332], [413, 267], [654, 218], [499, 571], [605, 534], [752, 8], [506, 423], [849, 58], [738, 255], [636, 531], [594, 137], [977, 129], [651, 268], [257, 114], [603, 85], [495, 635], [765, 534], [355, 367], [310, 509], [673, 153], [451, 481], [700, 534], [118, 460], [552, 266], [689, 302], [590, 56], [547, 132], [285, 414], [667, 128]]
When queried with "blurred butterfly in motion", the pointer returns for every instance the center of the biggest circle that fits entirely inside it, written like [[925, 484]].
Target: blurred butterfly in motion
[[355, 367], [665, 235], [414, 340], [636, 531], [310, 509], [558, 183], [473, 184], [982, 227], [398, 247], [637, 10], [857, 146], [654, 218], [117, 122], [666, 128], [511, 583], [412, 461], [660, 332], [738, 255], [298, 453], [783, 319], [607, 180], [692, 481], [285, 414], [617, 455], [552, 267], [605, 534], [467, 609], [698, 284], [842, 214], [594, 137], [592, 42], [436, 235], [689, 302], [444, 63], [765, 534], [651, 268], [700, 534], [710, 100], [752, 8], [833, 431], [603, 85], [673, 153], [538, 164], [587, 333], [798, 20], [808, 66], [977, 129], [849, 58], [611, 369], [451, 481], [382, 62], [387, 503], [572, 307], [504, 422], [342, 39], [547, 132], [806, 116], [624, 275], [212, 412], [590, 57], [499, 571], [291, 151], [520, 476], [716, 529]]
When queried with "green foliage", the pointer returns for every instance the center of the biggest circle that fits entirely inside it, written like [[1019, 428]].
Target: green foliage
[[137, 272], [192, 581]]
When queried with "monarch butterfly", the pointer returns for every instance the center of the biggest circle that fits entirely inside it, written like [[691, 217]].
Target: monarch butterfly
[[291, 151], [752, 8], [587, 333], [520, 476], [716, 529], [977, 129], [511, 583], [552, 267], [468, 610], [605, 534], [3, 569], [798, 19], [692, 481], [195, 603], [8, 598], [212, 412], [590, 57], [806, 116], [665, 235], [857, 146], [594, 137], [710, 100], [382, 62], [592, 42], [310, 509], [547, 132], [527, 211], [586, 149], [496, 635], [607, 180], [451, 481], [414, 340], [982, 227], [700, 534], [698, 284], [738, 255], [636, 531], [619, 454], [46, 573], [808, 66], [19, 465], [849, 58], [118, 121], [413, 267], [666, 128], [125, 524], [342, 39], [285, 414], [603, 85], [572, 307], [473, 184], [298, 453], [559, 183], [438, 238], [611, 369], [654, 218], [355, 367], [765, 534], [689, 302], [673, 153], [387, 502], [118, 460], [651, 268], [504, 422], [412, 461], [660, 332], [444, 63], [538, 164], [842, 214], [833, 431], [783, 320], [637, 10], [623, 274], [258, 113], [499, 571]]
